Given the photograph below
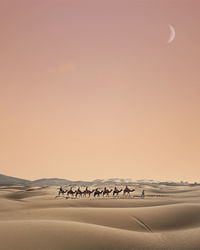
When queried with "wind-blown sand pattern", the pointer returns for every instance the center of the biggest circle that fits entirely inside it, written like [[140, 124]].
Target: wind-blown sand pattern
[[168, 218]]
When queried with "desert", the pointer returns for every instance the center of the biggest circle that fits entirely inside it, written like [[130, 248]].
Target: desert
[[33, 218]]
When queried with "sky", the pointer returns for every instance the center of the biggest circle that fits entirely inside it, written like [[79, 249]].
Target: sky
[[91, 89]]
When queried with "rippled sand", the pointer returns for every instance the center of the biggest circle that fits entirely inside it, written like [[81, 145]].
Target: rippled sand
[[168, 218]]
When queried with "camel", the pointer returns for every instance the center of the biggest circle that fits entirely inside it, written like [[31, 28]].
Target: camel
[[71, 192], [78, 192], [106, 191], [116, 192], [89, 192], [97, 192], [61, 191], [128, 191]]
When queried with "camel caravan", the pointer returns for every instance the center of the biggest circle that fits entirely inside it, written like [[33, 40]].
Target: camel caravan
[[96, 192]]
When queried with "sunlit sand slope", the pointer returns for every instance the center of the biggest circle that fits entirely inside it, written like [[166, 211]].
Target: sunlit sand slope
[[31, 218]]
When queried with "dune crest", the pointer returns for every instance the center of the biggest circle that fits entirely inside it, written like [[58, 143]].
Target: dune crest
[[31, 218]]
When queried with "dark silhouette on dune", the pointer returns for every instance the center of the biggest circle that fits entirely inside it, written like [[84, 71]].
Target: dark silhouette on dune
[[106, 192], [128, 191], [79, 193], [61, 191], [71, 192], [88, 192], [116, 192], [97, 192]]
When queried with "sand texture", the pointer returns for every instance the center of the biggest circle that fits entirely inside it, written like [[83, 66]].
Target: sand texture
[[168, 218]]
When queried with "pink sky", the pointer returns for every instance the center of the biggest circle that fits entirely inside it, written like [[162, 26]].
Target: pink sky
[[91, 89]]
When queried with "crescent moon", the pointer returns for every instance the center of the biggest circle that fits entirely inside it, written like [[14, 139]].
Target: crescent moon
[[172, 34]]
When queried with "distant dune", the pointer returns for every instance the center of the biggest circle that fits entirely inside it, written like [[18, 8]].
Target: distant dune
[[168, 218], [8, 181]]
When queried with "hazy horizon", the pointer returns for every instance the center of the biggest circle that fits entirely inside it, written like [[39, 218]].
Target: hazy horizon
[[91, 89], [108, 178]]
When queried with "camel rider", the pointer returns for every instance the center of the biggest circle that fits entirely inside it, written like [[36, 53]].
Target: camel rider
[[61, 189], [116, 190], [105, 189]]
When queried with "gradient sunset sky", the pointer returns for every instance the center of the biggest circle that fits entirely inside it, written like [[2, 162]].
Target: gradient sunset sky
[[91, 89]]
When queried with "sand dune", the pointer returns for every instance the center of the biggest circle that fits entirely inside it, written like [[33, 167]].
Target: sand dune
[[31, 218], [72, 235]]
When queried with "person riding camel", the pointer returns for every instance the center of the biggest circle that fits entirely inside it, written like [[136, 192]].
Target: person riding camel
[[116, 189], [127, 188], [61, 189]]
